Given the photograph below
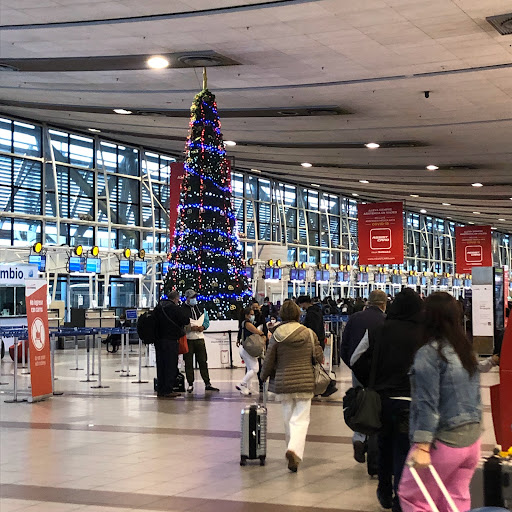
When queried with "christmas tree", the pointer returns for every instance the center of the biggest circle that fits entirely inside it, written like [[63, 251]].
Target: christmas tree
[[207, 253]]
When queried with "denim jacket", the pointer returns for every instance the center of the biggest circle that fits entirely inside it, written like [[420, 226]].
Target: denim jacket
[[444, 395]]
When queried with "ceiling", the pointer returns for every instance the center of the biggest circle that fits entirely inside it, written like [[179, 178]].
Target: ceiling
[[302, 81]]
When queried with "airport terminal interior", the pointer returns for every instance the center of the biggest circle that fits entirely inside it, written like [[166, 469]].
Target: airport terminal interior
[[246, 149]]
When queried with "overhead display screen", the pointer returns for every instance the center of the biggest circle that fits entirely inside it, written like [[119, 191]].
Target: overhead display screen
[[76, 264], [140, 267], [93, 265], [124, 266], [39, 260]]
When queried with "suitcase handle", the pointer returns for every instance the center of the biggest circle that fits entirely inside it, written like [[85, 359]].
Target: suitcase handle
[[439, 483]]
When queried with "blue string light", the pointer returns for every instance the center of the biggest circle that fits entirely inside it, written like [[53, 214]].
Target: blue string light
[[231, 215], [208, 270], [206, 147], [228, 296], [202, 231], [215, 250], [220, 187]]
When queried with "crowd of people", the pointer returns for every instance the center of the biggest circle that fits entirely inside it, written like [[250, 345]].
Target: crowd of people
[[413, 350]]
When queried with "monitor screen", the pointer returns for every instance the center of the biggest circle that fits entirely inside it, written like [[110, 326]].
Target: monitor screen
[[294, 273], [76, 264], [423, 281], [457, 282], [362, 277], [249, 272], [302, 274], [277, 273], [412, 280], [435, 281], [268, 272], [377, 277], [140, 267], [396, 279], [165, 268], [39, 260], [467, 283], [318, 275], [326, 275], [124, 266], [346, 276], [93, 265], [444, 281]]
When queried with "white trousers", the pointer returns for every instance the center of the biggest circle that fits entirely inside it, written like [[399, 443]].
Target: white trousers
[[296, 414], [251, 364]]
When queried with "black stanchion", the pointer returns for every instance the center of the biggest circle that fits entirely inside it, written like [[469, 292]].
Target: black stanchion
[[15, 388], [76, 354], [140, 367], [52, 358], [230, 351], [88, 361], [127, 355], [98, 337]]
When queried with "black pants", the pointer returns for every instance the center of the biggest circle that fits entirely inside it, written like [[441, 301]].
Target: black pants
[[198, 348], [166, 365], [393, 447]]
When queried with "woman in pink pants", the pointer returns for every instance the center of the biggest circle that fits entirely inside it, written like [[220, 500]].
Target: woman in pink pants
[[445, 418]]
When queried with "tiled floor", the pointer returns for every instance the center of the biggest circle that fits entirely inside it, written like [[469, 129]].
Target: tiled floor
[[119, 448]]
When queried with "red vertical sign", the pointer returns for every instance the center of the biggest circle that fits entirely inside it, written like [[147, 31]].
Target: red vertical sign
[[381, 233], [473, 248], [506, 284], [38, 338], [177, 173]]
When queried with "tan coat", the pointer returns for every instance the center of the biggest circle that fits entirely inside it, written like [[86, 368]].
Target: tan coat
[[289, 359]]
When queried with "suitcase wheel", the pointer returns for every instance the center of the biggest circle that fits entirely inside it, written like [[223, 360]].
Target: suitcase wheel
[[262, 460], [243, 461]]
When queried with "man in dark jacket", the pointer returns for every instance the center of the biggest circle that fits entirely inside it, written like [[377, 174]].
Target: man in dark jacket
[[354, 331], [314, 318], [170, 321]]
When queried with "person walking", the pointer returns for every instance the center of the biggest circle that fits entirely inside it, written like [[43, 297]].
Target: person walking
[[290, 355], [357, 325], [446, 410], [392, 347], [170, 323], [248, 328], [199, 322], [314, 318]]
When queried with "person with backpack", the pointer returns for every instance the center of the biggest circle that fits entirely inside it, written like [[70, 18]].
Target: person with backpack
[[247, 328], [170, 321]]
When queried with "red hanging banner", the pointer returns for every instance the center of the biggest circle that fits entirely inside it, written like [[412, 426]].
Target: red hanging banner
[[380, 233], [473, 248], [177, 173], [38, 338]]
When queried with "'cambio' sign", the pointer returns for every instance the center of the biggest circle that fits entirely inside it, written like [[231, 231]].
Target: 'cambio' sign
[[13, 274]]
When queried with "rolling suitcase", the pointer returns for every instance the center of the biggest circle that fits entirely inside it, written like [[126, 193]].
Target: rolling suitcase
[[497, 480], [445, 493], [253, 441]]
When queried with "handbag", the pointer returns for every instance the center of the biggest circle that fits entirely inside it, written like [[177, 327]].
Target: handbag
[[183, 345], [362, 407], [253, 345], [321, 377]]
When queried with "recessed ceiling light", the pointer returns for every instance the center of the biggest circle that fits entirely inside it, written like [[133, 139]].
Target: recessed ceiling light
[[122, 111], [476, 185], [315, 185], [476, 213], [372, 145], [448, 217], [355, 195], [364, 181], [423, 211], [256, 170], [432, 167], [503, 220], [446, 204], [94, 130], [229, 143], [306, 164], [470, 222], [415, 195], [158, 62]]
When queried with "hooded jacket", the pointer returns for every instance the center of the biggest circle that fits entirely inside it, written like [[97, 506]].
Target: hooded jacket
[[289, 359]]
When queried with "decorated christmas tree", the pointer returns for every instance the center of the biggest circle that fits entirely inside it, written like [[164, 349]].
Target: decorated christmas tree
[[206, 255]]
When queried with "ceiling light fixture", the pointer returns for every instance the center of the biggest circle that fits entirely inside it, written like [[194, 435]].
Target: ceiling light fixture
[[256, 170], [315, 185], [423, 211], [503, 220], [306, 164], [415, 195], [122, 111], [94, 130], [158, 62], [372, 145], [432, 167], [229, 143], [470, 222], [355, 195], [476, 185], [476, 213], [446, 204], [364, 181]]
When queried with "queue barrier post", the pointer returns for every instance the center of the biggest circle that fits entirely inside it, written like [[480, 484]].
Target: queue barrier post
[[122, 370], [2, 383], [127, 355], [97, 337], [76, 354], [15, 384], [93, 352], [53, 343], [88, 379], [140, 366]]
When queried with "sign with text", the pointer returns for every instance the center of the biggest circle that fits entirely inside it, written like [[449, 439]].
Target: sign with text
[[38, 338], [472, 248], [177, 173], [381, 233]]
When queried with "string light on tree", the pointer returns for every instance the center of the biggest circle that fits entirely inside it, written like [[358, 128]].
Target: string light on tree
[[207, 254]]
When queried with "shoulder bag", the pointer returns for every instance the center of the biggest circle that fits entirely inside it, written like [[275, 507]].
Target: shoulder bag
[[322, 379], [252, 344], [362, 407]]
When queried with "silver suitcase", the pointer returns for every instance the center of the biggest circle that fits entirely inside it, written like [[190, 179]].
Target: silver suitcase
[[253, 441]]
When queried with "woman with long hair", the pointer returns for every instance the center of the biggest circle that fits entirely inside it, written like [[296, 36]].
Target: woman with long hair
[[445, 419], [289, 361]]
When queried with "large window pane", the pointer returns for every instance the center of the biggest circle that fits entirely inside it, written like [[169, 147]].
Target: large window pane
[[6, 135], [26, 232], [26, 139], [81, 151]]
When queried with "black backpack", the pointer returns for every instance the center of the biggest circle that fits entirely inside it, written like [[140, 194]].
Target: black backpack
[[147, 327]]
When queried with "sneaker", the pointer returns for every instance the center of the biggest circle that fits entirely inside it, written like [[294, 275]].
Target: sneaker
[[243, 389], [360, 452], [386, 502], [190, 389], [293, 461], [210, 388]]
